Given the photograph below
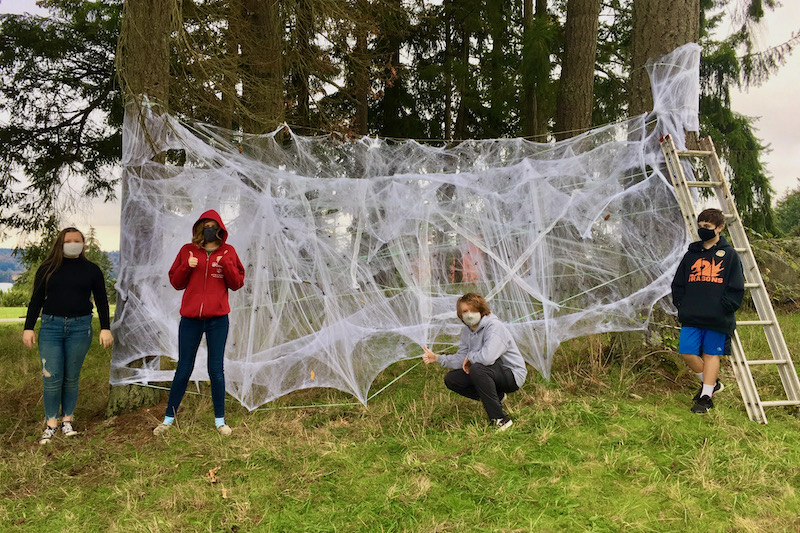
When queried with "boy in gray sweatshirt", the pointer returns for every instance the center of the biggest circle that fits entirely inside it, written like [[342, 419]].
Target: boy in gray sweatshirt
[[488, 364]]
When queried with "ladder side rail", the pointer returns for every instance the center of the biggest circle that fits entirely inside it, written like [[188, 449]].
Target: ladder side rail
[[744, 378], [678, 178], [760, 296]]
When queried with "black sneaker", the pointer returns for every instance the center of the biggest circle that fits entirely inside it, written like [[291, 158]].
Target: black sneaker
[[719, 387], [502, 424], [703, 404]]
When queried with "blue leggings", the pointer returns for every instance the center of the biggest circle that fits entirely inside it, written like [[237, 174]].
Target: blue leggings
[[63, 343], [190, 332]]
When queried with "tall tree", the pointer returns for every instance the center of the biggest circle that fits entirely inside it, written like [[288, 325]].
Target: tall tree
[[576, 87], [659, 27], [303, 60], [262, 65], [143, 65], [538, 43], [60, 94]]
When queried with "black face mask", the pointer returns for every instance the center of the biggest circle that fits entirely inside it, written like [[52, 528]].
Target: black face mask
[[706, 234], [210, 234]]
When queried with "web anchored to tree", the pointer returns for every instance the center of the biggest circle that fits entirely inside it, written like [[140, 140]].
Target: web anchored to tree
[[356, 251]]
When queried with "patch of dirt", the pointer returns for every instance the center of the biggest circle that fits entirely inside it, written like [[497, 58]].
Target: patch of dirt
[[134, 428]]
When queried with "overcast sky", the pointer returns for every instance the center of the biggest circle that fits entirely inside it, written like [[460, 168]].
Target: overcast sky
[[775, 104]]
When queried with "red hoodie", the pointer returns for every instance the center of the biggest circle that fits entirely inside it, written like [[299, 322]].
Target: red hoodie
[[207, 284]]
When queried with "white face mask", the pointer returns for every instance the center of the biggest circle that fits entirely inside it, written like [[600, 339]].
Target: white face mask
[[471, 319], [72, 249]]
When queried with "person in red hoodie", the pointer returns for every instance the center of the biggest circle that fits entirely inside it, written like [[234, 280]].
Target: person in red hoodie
[[205, 269]]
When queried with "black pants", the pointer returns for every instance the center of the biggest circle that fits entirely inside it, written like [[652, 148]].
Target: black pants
[[484, 383]]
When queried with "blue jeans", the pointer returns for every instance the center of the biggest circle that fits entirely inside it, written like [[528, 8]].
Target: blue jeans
[[63, 344], [190, 332]]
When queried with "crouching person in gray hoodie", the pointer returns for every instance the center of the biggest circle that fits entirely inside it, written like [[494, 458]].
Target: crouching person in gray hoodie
[[488, 364]]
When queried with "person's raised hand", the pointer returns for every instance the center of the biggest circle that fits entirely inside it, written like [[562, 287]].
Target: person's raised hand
[[428, 356], [28, 338], [192, 260]]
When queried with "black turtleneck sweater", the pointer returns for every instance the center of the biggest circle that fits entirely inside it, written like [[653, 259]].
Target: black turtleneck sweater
[[67, 292]]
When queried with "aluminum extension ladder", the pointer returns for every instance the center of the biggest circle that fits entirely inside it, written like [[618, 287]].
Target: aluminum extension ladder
[[753, 280]]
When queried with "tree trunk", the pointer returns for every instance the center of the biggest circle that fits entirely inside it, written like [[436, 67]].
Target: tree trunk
[[448, 71], [143, 66], [659, 27], [498, 29], [576, 90], [230, 99], [361, 82], [262, 66], [461, 131], [536, 69], [528, 83], [305, 52]]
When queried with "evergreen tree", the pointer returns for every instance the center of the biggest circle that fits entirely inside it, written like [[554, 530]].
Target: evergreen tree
[[96, 255], [60, 93], [787, 212]]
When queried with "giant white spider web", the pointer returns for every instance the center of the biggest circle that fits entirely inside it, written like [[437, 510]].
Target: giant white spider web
[[355, 252]]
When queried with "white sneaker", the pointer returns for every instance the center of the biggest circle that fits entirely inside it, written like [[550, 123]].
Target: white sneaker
[[502, 424], [161, 429], [48, 434], [225, 430], [67, 429]]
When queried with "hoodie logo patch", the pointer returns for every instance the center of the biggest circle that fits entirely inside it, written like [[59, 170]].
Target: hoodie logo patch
[[705, 271], [720, 253]]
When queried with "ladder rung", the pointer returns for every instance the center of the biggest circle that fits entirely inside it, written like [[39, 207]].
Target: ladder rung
[[751, 285], [693, 153], [778, 403], [766, 362], [703, 183], [740, 250], [754, 322]]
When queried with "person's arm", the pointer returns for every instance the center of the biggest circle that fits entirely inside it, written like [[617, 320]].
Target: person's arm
[[494, 345], [232, 269], [447, 360], [455, 360], [34, 308], [101, 301], [679, 284], [180, 270], [734, 288]]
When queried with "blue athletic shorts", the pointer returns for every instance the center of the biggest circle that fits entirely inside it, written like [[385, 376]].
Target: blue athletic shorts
[[697, 341]]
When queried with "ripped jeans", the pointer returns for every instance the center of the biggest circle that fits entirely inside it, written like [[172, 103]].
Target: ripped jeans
[[63, 344]]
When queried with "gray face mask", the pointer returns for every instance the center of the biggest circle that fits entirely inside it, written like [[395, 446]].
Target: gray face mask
[[471, 319], [72, 249]]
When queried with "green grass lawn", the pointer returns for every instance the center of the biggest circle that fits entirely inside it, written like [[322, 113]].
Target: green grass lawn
[[19, 312], [606, 445], [13, 312]]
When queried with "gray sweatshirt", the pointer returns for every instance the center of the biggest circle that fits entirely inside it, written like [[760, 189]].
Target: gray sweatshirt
[[490, 342]]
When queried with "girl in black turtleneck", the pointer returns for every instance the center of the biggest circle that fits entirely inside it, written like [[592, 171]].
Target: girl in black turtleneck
[[61, 290]]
